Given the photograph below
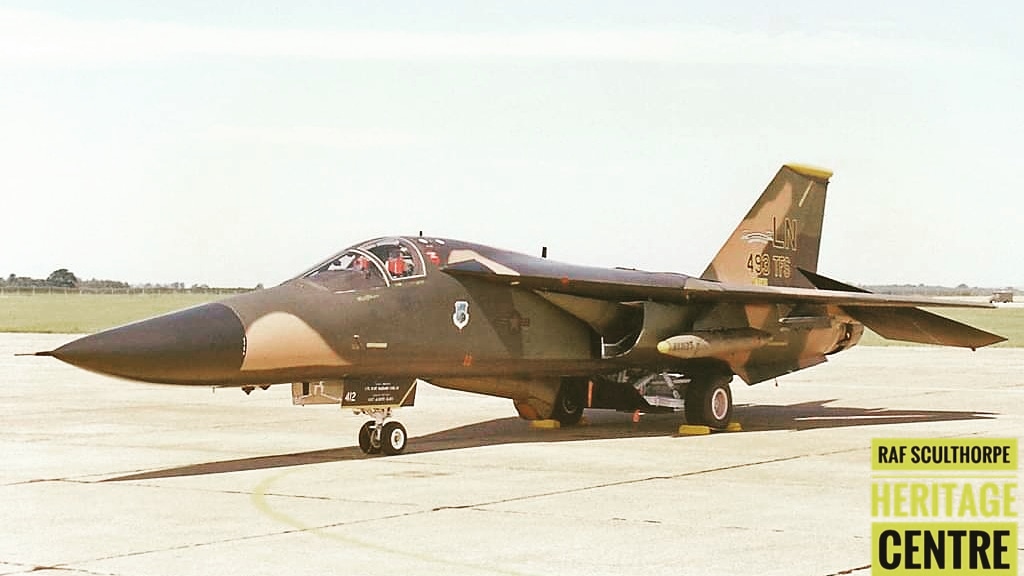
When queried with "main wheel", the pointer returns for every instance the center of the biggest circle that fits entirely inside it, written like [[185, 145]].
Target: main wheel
[[393, 439], [366, 438], [569, 403], [709, 403]]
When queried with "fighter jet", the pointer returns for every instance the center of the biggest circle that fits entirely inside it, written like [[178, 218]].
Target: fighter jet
[[363, 327]]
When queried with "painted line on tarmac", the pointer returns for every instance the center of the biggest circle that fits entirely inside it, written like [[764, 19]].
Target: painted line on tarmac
[[629, 482], [259, 500]]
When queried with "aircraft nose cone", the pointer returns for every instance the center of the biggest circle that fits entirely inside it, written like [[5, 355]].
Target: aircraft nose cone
[[201, 345]]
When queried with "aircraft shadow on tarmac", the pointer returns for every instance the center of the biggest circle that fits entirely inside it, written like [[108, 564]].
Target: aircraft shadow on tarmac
[[600, 426]]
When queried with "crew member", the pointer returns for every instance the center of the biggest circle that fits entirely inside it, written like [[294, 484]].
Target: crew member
[[396, 265]]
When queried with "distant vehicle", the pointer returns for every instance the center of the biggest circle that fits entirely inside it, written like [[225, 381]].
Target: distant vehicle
[[1001, 296], [359, 329]]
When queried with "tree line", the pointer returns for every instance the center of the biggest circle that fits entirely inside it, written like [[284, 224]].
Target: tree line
[[60, 278], [64, 278]]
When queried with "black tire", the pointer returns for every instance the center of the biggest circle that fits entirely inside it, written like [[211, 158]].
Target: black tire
[[366, 438], [393, 439], [709, 403], [569, 403]]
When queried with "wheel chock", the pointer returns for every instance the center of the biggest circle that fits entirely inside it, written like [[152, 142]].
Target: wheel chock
[[545, 424], [690, 430], [734, 427]]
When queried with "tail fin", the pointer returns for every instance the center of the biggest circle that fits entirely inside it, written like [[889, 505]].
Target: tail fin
[[781, 233]]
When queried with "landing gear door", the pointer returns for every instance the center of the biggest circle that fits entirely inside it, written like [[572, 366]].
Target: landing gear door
[[366, 394], [356, 394]]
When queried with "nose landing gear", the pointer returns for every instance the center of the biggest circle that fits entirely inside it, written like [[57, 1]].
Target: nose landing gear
[[377, 436]]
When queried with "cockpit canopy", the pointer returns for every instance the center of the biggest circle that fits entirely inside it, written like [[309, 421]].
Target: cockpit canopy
[[373, 264]]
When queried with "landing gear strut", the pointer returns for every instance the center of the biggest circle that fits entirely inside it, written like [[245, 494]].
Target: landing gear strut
[[377, 436]]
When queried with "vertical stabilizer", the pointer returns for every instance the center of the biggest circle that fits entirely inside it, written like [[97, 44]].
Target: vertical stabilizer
[[780, 233]]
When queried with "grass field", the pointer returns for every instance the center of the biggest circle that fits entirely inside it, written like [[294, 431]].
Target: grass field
[[83, 313]]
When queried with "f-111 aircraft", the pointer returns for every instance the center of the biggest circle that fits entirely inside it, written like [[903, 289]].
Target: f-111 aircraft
[[360, 329]]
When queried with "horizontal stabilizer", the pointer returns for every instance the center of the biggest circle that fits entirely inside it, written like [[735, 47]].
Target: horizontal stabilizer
[[909, 324], [916, 325]]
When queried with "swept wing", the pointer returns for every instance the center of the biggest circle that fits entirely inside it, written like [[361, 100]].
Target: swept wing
[[892, 316]]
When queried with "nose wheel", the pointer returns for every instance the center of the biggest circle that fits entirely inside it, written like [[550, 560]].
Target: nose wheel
[[377, 436]]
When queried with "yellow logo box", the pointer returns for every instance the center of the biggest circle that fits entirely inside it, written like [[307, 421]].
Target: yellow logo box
[[934, 454]]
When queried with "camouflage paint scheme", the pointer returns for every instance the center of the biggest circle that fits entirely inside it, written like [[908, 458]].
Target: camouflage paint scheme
[[551, 336]]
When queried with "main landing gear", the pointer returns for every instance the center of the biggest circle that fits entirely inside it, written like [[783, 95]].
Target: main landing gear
[[709, 402], [572, 397], [377, 436], [705, 397]]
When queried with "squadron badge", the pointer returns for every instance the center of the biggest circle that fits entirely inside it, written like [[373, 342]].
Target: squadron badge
[[461, 316]]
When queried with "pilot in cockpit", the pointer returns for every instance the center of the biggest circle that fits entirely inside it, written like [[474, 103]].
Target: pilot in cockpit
[[361, 264], [396, 264]]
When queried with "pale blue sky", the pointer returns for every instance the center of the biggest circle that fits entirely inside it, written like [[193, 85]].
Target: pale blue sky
[[239, 143]]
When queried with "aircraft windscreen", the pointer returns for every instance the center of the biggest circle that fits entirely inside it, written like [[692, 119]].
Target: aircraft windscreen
[[372, 264], [401, 259], [352, 270]]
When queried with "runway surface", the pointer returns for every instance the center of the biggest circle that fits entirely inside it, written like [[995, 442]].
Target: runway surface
[[103, 476]]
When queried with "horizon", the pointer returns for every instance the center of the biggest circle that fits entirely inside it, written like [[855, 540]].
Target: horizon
[[182, 286]]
